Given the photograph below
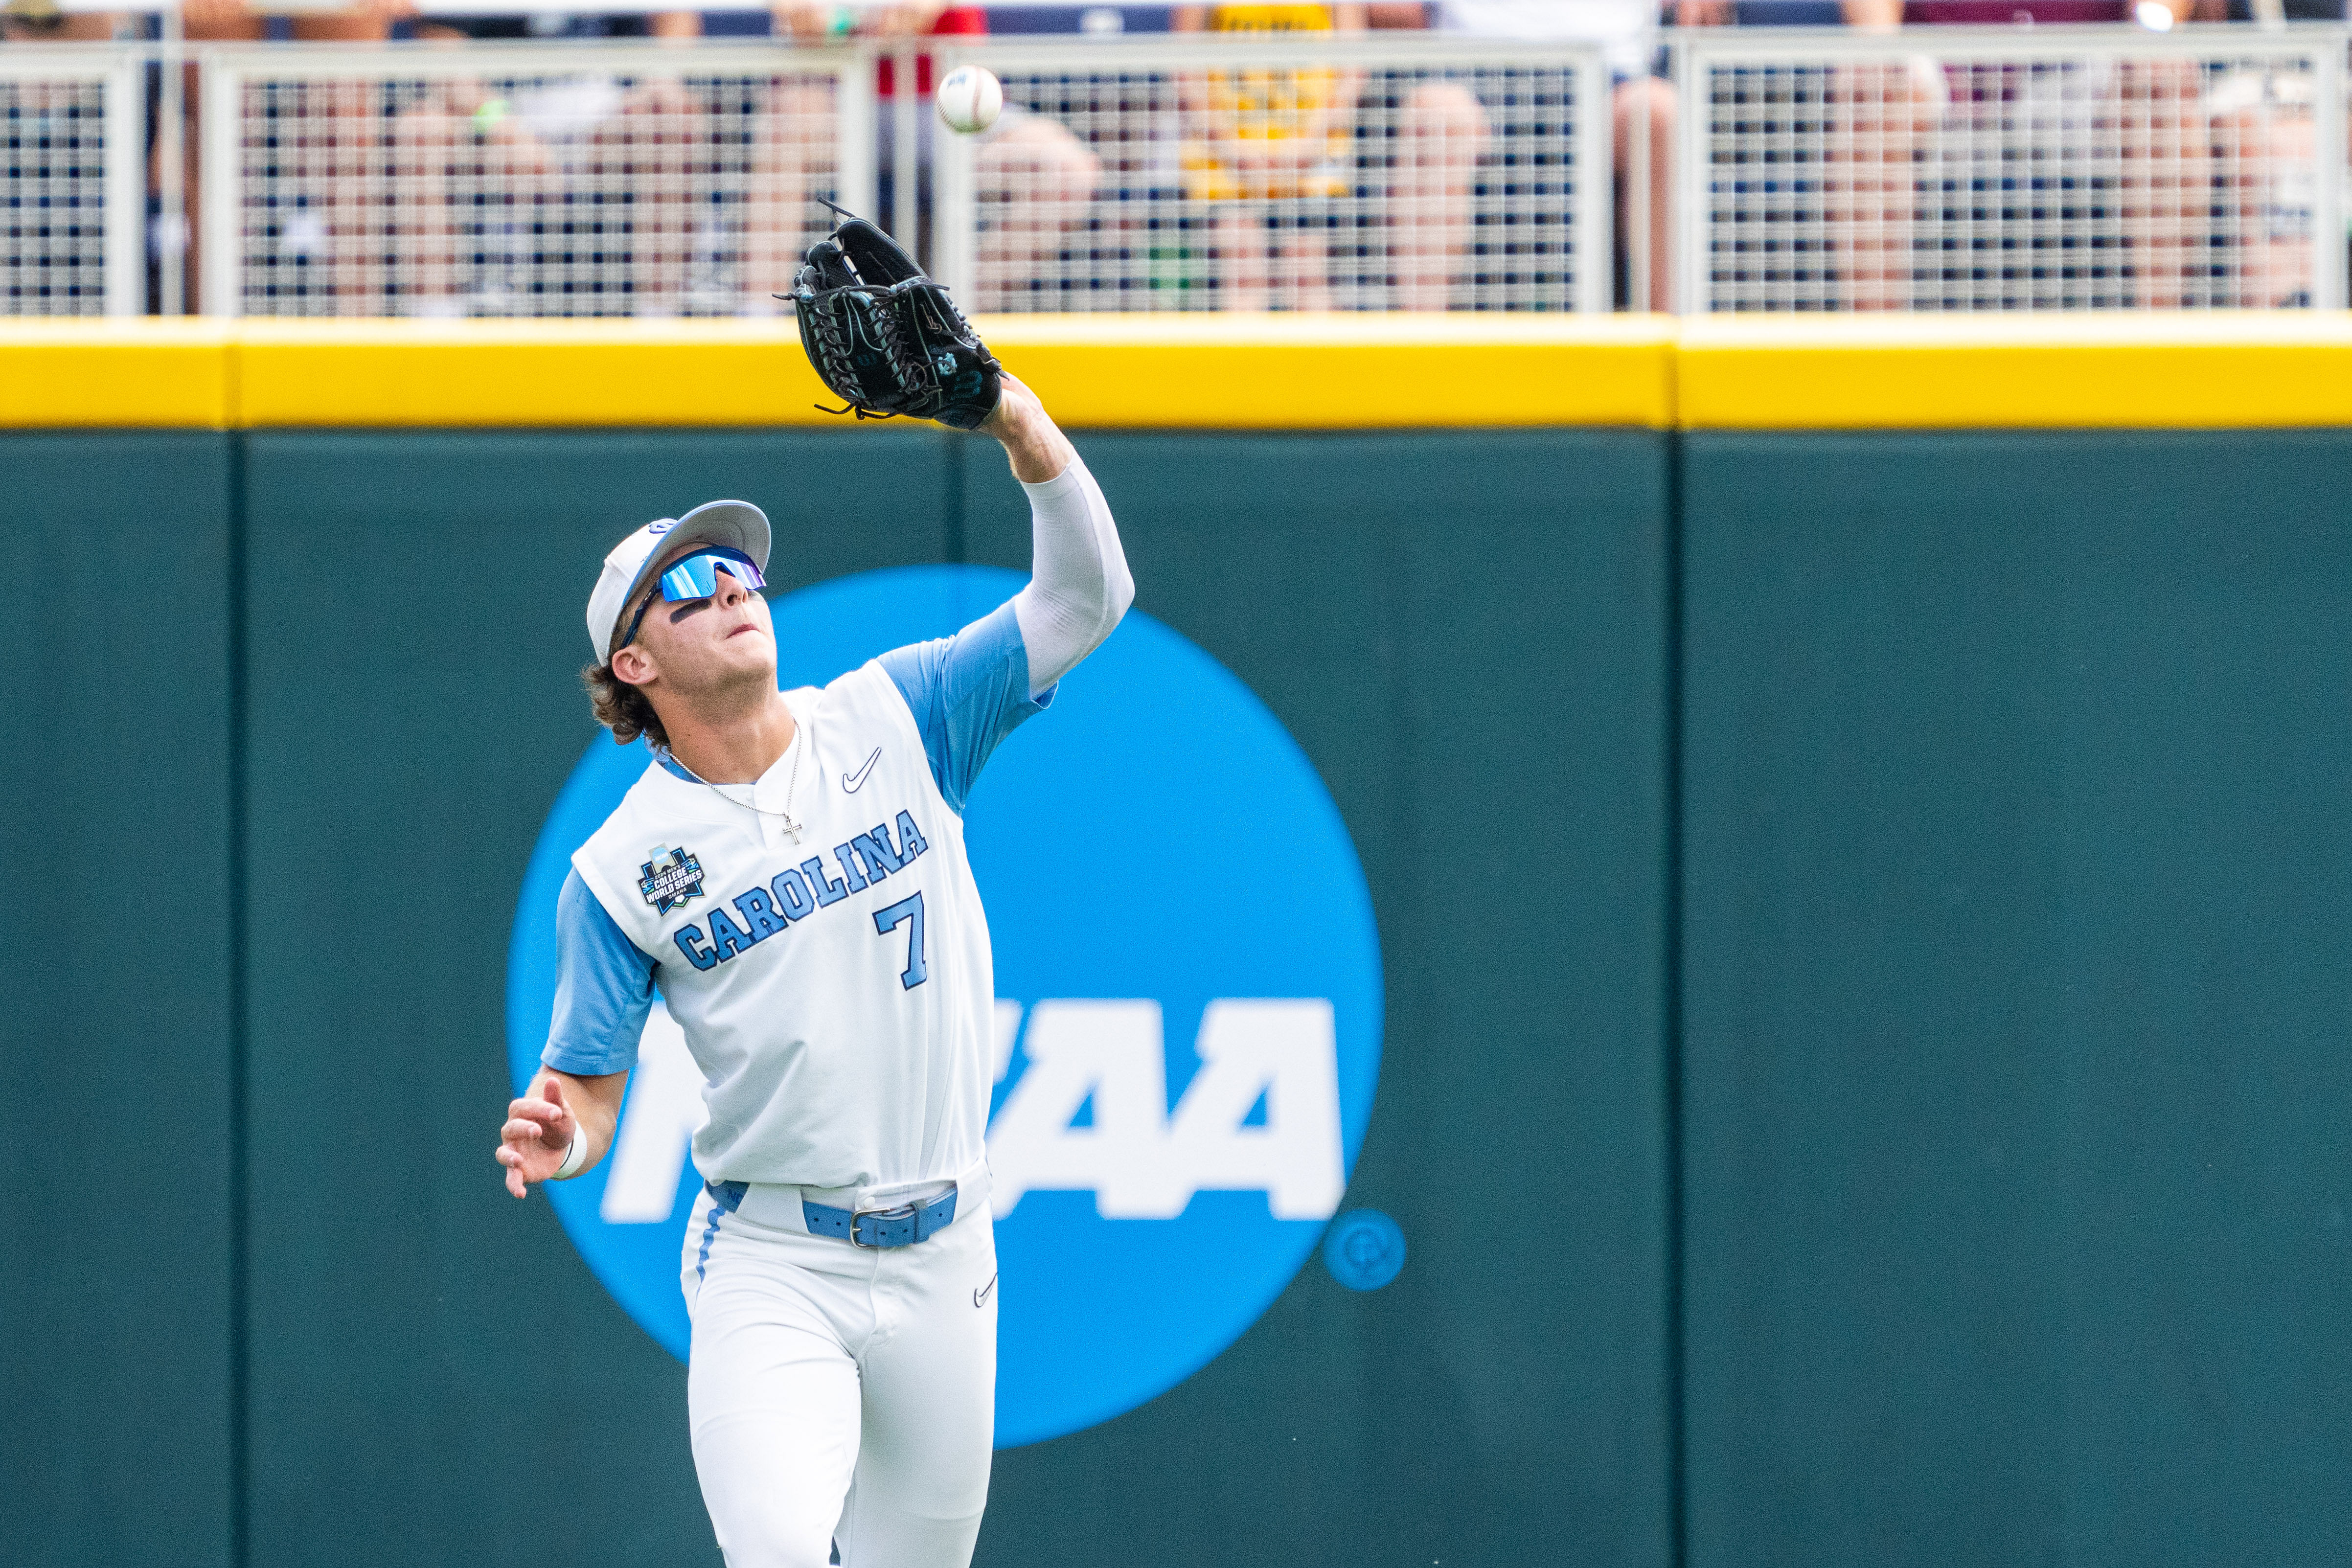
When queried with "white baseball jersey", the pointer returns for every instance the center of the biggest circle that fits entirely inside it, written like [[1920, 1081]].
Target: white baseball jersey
[[836, 988]]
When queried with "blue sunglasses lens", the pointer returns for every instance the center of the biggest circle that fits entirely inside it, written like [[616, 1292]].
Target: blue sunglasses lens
[[696, 577]]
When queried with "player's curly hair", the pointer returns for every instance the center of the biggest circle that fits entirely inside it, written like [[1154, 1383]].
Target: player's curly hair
[[621, 707]]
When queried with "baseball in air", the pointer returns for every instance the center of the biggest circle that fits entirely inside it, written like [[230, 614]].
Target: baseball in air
[[970, 98]]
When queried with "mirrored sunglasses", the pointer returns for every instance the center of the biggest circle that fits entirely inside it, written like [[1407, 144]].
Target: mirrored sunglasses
[[696, 577]]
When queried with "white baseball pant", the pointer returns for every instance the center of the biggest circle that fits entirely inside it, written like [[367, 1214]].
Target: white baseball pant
[[841, 1393]]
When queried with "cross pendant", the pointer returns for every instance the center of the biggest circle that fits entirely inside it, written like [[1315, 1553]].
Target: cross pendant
[[792, 827]]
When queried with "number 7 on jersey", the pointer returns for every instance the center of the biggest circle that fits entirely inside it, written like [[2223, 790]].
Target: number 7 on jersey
[[902, 912]]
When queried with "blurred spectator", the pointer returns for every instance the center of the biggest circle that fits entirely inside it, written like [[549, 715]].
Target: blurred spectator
[[458, 195], [41, 22], [2021, 13], [471, 186], [896, 21], [2148, 110], [663, 25], [1269, 147], [41, 126], [496, 181], [654, 193], [1036, 185], [1035, 182], [1095, 20], [2152, 112], [1444, 133], [2145, 113], [342, 107], [1881, 115], [1642, 114], [1883, 111], [651, 178], [2060, 13], [233, 21], [2265, 138], [883, 19], [1642, 108], [1263, 144], [1871, 15]]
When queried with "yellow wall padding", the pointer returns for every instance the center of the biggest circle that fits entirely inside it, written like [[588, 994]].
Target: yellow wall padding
[[2137, 371], [66, 373], [1219, 372], [525, 372], [1190, 372], [1343, 372]]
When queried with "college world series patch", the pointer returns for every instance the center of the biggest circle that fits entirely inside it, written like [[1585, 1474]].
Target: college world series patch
[[671, 877]]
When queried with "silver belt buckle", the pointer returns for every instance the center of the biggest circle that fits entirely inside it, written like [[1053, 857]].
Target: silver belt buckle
[[903, 1211]]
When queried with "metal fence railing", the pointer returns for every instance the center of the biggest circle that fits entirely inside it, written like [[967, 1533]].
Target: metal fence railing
[[72, 201], [1945, 169], [522, 180], [1978, 169], [1232, 173]]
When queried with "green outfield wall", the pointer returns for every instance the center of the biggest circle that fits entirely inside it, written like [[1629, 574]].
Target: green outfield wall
[[120, 1306], [1865, 919], [2017, 885]]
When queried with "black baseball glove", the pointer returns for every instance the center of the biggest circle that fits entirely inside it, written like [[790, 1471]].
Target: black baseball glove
[[884, 336]]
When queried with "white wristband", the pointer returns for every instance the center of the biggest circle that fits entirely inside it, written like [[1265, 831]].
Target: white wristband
[[574, 1157]]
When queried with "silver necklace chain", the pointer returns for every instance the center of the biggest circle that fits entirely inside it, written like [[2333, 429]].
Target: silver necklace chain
[[791, 783]]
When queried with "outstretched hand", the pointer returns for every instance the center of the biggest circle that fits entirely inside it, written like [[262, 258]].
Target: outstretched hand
[[536, 1137]]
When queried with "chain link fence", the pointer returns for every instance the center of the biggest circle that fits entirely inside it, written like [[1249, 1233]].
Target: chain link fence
[[494, 181], [71, 204], [1795, 169], [1962, 169], [1253, 173]]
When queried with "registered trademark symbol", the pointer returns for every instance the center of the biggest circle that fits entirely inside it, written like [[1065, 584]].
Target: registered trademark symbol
[[1364, 1249]]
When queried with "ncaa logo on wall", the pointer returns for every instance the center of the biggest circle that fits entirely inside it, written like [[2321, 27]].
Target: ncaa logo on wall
[[1188, 1014]]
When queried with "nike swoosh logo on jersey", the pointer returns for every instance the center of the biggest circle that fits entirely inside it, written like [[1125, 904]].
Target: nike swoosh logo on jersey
[[850, 782], [979, 1297]]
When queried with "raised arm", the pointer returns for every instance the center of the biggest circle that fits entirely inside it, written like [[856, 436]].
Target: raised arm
[[1078, 584]]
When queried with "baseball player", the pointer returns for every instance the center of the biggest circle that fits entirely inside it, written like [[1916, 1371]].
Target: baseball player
[[790, 874]]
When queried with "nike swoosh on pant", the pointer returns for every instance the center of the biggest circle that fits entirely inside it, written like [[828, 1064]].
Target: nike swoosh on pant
[[979, 1297]]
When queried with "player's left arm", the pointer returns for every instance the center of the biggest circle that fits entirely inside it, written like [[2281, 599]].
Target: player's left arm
[[1079, 585], [1038, 449], [538, 1133], [969, 690], [603, 990]]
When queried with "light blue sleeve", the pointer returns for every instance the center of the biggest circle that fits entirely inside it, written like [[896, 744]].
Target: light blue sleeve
[[966, 693], [604, 988]]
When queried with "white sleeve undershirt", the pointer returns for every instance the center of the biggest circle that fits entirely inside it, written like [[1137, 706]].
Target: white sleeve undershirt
[[1078, 583]]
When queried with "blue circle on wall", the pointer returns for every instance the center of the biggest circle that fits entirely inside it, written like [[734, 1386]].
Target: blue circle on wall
[[1364, 1249], [1188, 1010]]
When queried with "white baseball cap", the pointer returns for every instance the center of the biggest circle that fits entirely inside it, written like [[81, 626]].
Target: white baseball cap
[[736, 525]]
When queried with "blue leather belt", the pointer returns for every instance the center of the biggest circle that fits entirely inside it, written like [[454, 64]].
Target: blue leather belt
[[901, 1227]]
